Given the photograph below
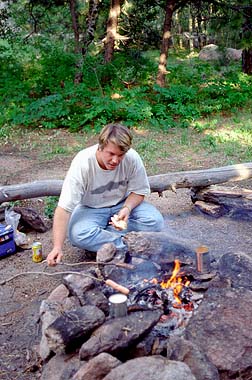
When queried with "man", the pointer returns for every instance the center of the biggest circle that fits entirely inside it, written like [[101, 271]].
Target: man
[[107, 180]]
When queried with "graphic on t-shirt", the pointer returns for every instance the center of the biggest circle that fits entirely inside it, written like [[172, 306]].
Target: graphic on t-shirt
[[109, 186]]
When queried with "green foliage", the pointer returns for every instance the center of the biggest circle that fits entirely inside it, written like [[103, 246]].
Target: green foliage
[[50, 206], [37, 89]]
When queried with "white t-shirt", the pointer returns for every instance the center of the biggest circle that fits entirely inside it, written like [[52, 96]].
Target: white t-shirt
[[88, 184]]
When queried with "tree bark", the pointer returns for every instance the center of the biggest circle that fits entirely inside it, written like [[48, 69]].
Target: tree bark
[[158, 183], [247, 61], [93, 12], [169, 9], [75, 24], [115, 9], [28, 190]]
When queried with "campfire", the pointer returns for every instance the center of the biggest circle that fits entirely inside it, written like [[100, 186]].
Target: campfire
[[171, 294], [169, 310]]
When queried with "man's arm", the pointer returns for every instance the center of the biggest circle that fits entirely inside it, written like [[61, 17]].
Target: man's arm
[[60, 223], [132, 201]]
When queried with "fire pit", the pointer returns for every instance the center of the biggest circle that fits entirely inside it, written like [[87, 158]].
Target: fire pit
[[176, 309]]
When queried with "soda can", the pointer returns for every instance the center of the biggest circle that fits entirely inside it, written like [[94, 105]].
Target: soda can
[[118, 305], [37, 252], [203, 259]]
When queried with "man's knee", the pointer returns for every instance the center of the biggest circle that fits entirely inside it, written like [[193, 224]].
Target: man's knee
[[158, 224], [79, 235], [149, 219]]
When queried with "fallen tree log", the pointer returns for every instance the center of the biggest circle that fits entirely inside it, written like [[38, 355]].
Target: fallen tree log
[[28, 190], [158, 183]]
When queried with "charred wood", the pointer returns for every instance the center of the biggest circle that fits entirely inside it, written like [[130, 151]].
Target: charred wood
[[232, 201]]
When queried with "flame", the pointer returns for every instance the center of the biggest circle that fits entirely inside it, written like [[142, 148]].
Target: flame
[[175, 282]]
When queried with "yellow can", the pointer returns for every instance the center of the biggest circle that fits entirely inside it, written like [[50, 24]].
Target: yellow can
[[37, 252]]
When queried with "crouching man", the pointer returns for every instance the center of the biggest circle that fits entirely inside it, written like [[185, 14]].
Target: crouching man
[[102, 197]]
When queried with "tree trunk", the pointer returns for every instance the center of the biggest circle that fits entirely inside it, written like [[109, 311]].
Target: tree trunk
[[191, 27], [92, 17], [170, 4], [88, 38], [158, 183], [247, 61], [75, 24], [200, 178], [179, 30], [115, 9]]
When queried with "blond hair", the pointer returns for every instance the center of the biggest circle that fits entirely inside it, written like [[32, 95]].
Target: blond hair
[[117, 134]]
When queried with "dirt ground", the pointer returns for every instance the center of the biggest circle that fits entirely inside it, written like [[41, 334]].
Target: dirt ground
[[20, 299]]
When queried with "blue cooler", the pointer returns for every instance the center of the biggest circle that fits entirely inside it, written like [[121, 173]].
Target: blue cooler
[[7, 243]]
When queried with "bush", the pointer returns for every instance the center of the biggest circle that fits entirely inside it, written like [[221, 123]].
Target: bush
[[38, 90]]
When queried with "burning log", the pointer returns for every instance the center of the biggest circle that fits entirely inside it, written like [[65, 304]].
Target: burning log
[[158, 183]]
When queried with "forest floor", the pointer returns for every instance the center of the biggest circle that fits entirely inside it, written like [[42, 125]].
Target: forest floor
[[20, 299]]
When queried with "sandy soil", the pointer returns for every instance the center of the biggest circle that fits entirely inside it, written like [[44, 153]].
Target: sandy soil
[[20, 299]]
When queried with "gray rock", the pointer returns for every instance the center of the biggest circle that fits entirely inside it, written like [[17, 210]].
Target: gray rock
[[59, 294], [237, 267], [106, 253], [234, 54], [73, 327], [97, 368], [50, 309], [97, 298], [221, 328], [60, 367], [180, 349], [151, 368], [119, 334], [210, 53], [78, 284], [157, 246]]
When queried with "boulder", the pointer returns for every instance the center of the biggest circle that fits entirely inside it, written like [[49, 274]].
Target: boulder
[[149, 368]]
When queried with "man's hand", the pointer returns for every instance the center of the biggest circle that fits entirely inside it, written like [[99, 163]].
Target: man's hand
[[119, 224], [54, 257], [120, 220], [60, 221]]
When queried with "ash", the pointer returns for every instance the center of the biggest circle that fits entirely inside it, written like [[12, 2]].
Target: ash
[[149, 294]]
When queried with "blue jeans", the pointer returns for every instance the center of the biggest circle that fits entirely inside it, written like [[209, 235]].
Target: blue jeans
[[89, 228]]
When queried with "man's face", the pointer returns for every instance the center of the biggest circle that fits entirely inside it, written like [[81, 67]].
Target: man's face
[[110, 157]]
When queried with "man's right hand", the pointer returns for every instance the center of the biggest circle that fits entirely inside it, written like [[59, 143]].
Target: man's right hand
[[54, 257], [60, 221]]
